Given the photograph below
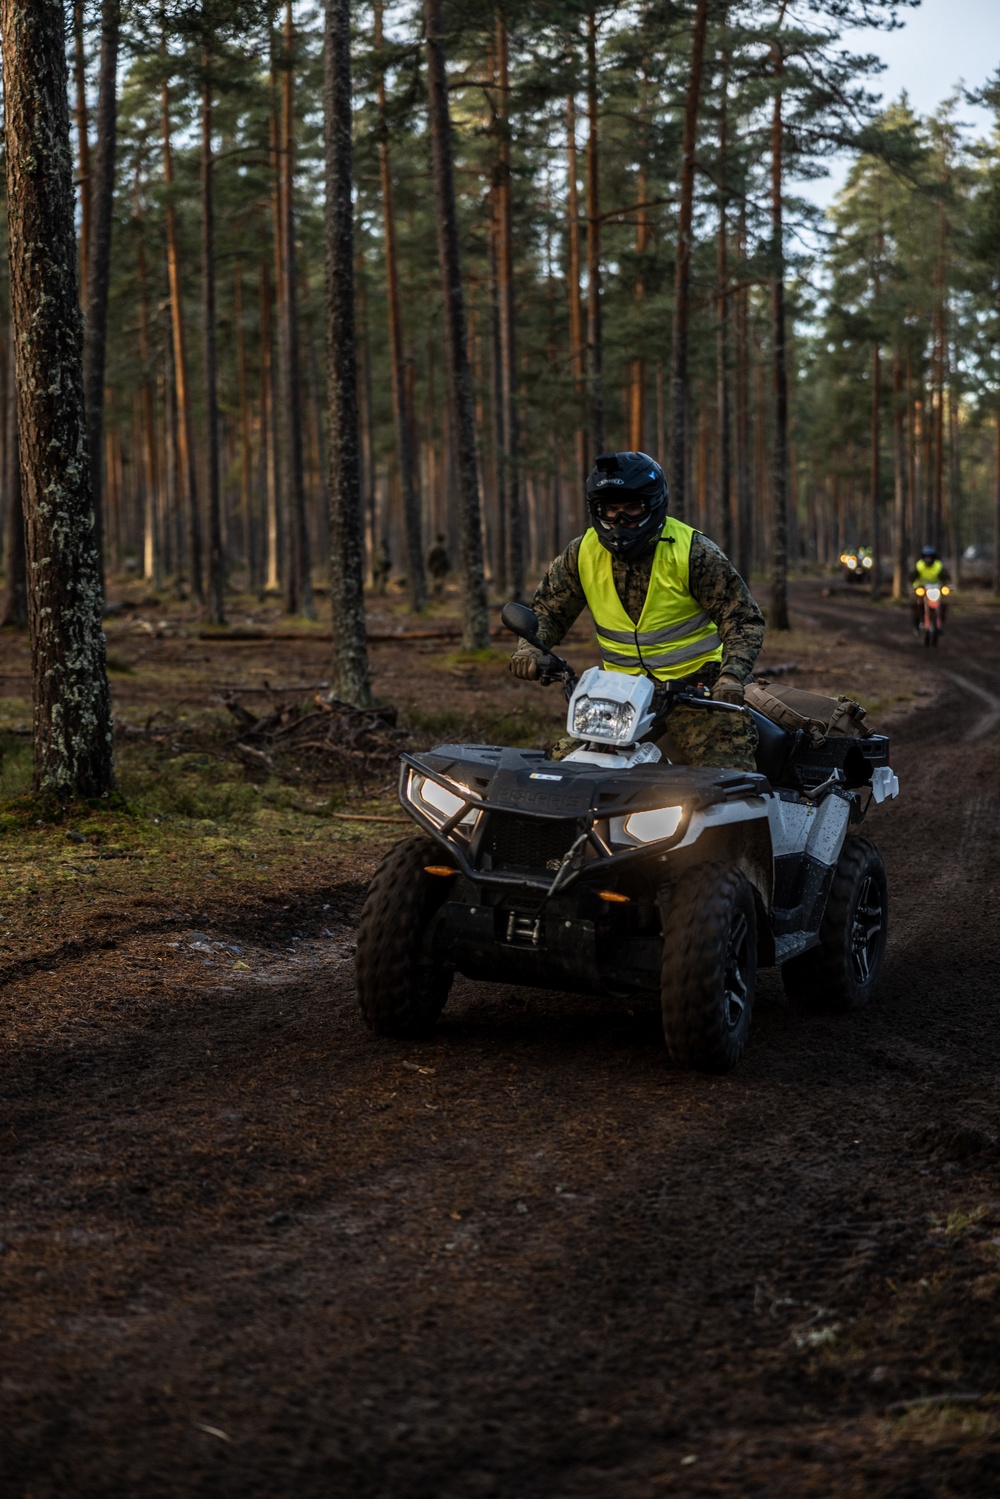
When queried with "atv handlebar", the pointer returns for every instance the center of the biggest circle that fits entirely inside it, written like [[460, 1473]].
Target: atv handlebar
[[522, 621]]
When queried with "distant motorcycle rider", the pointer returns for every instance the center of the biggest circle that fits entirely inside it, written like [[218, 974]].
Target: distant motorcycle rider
[[666, 602], [929, 569]]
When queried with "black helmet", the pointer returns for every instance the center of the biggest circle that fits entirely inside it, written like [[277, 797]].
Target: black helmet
[[619, 477], [930, 552]]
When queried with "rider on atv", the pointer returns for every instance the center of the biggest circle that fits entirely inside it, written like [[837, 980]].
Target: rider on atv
[[929, 569], [666, 602]]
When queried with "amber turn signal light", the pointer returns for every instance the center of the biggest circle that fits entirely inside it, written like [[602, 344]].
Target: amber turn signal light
[[613, 895], [444, 870]]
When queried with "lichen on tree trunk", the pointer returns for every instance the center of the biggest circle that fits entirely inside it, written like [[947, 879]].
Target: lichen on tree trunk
[[72, 710]]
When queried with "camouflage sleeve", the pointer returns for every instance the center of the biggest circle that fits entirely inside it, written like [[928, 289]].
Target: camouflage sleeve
[[559, 598], [722, 593]]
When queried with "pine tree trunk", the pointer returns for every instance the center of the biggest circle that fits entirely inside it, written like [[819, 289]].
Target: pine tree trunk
[[741, 424], [510, 496], [722, 301], [874, 496], [496, 542], [152, 559], [475, 634], [900, 503], [269, 428], [185, 438], [216, 560], [637, 373], [298, 582], [779, 485], [246, 508], [682, 271], [82, 144], [99, 255], [996, 506], [577, 352], [349, 680], [72, 708], [415, 570], [14, 608], [595, 378]]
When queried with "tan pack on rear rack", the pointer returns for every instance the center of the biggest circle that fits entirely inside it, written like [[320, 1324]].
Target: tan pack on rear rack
[[793, 708]]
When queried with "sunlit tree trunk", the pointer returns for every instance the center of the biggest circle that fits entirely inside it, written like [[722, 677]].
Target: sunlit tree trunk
[[185, 441]]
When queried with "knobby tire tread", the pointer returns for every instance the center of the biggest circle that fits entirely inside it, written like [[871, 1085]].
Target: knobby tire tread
[[397, 995], [697, 916]]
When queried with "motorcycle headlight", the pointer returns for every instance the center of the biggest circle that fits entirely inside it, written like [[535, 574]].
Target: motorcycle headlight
[[601, 718], [866, 562], [659, 822]]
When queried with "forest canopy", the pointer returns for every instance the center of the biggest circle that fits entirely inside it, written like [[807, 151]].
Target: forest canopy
[[573, 126]]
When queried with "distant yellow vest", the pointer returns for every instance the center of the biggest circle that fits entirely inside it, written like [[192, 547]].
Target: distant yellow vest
[[674, 636], [929, 572]]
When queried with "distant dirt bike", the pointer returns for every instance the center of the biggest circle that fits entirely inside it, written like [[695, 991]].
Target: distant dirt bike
[[932, 597]]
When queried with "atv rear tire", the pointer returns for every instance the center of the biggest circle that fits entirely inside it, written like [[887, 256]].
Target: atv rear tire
[[842, 972], [401, 990], [709, 968]]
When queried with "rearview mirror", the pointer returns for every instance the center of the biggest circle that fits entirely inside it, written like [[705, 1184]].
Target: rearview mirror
[[521, 620]]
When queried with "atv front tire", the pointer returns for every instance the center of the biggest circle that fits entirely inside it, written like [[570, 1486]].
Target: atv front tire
[[401, 990], [842, 972], [709, 968]]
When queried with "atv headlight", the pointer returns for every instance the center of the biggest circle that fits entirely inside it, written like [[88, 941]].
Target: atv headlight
[[866, 562], [649, 827], [602, 718], [437, 802]]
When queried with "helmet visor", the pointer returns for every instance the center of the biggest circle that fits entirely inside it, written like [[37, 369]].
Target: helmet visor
[[621, 511]]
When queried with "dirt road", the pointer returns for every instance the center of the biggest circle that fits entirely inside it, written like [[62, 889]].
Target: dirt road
[[248, 1250]]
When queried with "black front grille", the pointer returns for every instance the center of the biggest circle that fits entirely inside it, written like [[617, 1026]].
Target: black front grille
[[528, 842]]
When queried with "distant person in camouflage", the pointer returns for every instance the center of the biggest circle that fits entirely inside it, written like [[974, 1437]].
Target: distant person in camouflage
[[438, 565], [666, 603]]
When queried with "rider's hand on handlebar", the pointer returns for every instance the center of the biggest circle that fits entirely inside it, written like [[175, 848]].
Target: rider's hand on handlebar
[[728, 689], [532, 665]]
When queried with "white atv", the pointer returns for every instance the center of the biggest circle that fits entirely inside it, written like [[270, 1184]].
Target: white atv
[[614, 871]]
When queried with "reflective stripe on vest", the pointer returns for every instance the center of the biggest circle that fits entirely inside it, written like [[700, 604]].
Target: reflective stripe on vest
[[929, 572], [673, 637]]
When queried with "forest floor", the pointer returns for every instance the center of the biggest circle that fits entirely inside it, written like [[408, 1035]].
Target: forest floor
[[247, 1249]]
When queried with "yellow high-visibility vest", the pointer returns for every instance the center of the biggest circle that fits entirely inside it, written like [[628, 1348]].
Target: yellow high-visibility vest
[[674, 636], [929, 572]]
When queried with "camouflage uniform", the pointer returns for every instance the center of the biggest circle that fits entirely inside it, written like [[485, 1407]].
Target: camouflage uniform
[[700, 736]]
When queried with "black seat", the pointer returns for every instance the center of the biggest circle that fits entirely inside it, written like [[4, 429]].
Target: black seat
[[775, 748]]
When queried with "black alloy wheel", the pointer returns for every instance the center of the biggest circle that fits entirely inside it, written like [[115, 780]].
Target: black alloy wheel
[[841, 973]]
